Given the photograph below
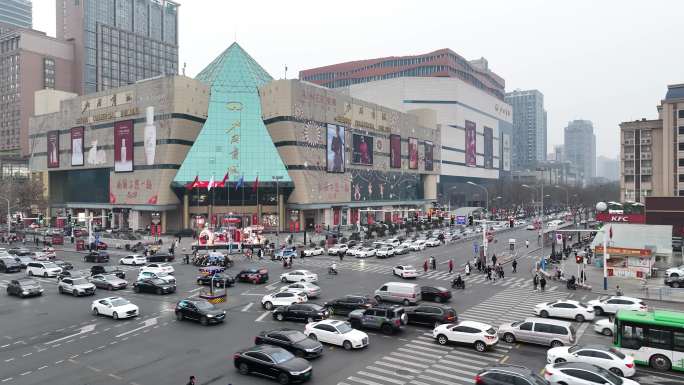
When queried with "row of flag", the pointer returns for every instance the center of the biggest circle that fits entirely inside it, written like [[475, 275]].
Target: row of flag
[[197, 183]]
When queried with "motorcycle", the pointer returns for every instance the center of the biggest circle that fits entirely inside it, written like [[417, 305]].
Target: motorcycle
[[571, 285], [458, 285], [332, 271]]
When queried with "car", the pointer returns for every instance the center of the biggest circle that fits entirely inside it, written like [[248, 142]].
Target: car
[[71, 274], [344, 305], [9, 265], [308, 312], [24, 287], [579, 373], [401, 249], [198, 309], [435, 293], [133, 259], [677, 271], [565, 309], [44, 269], [293, 341], [502, 374], [603, 356], [480, 335], [153, 285], [405, 271], [433, 242], [614, 303], [314, 251], [338, 333], [338, 248], [298, 276], [168, 278], [353, 251], [99, 245], [430, 315], [312, 290], [384, 252], [604, 326], [219, 280], [76, 287], [253, 275], [97, 257], [158, 268], [20, 251], [285, 253], [64, 265], [675, 281], [530, 227], [273, 362], [44, 256], [108, 282], [282, 298], [366, 252], [24, 261], [160, 257], [418, 245], [540, 331], [115, 307], [100, 269], [387, 319]]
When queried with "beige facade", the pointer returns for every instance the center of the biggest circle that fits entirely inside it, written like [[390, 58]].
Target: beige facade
[[641, 160]]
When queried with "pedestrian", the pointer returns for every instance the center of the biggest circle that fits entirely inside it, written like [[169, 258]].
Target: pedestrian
[[493, 272], [493, 259], [542, 283], [467, 268], [515, 265], [425, 266], [618, 291], [527, 243], [451, 266], [284, 263], [433, 263], [341, 255], [488, 271], [535, 281], [501, 271], [192, 380], [301, 254]]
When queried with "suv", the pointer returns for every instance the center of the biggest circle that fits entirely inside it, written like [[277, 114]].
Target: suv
[[508, 374], [76, 286], [387, 319], [160, 257], [674, 281], [9, 265], [44, 269], [348, 303], [99, 269], [97, 257]]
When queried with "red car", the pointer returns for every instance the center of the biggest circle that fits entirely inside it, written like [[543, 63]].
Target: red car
[[100, 245], [253, 276]]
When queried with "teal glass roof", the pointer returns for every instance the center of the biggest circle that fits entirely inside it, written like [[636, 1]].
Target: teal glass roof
[[233, 138]]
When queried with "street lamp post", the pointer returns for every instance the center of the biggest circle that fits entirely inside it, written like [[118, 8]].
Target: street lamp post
[[9, 216], [484, 230], [276, 178]]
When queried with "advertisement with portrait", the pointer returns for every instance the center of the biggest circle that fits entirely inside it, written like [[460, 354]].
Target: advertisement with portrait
[[413, 153], [362, 149], [429, 149], [77, 158], [123, 146], [369, 185], [335, 148], [395, 151], [470, 144], [53, 149], [506, 152], [488, 147]]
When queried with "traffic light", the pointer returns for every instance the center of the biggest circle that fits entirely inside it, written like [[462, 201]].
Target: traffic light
[[69, 218], [452, 220], [109, 216], [470, 220], [579, 259], [40, 218]]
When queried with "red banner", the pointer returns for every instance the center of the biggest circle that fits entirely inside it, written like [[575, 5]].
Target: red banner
[[621, 218]]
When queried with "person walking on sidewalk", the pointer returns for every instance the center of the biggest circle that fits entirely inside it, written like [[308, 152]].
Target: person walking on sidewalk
[[535, 281], [542, 283], [451, 265], [425, 266], [515, 265]]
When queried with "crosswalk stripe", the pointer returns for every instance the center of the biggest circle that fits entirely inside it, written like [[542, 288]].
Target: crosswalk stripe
[[400, 367], [404, 362], [362, 381], [454, 363], [425, 348], [440, 380], [468, 357], [410, 357], [388, 372], [431, 342], [452, 376], [433, 356], [379, 377]]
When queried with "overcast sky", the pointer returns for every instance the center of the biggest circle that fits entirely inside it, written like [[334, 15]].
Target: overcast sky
[[605, 61]]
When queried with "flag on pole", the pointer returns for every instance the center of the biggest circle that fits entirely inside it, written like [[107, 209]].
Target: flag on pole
[[256, 184], [211, 183], [225, 179], [240, 182], [610, 232], [194, 183]]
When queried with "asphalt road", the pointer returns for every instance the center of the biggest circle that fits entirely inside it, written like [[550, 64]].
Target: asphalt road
[[55, 339]]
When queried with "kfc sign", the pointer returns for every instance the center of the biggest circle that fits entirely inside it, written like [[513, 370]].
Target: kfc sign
[[621, 218]]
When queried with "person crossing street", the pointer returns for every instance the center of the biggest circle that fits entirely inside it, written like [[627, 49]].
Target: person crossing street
[[515, 265], [451, 265]]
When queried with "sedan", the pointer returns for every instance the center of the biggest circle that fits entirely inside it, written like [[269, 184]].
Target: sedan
[[605, 357], [435, 293], [293, 341], [604, 326], [158, 267], [161, 257], [253, 276], [24, 261], [64, 265], [97, 257], [384, 252], [299, 276], [401, 249], [480, 335], [153, 285], [283, 298], [530, 227], [218, 279], [405, 271], [9, 265], [133, 259], [308, 312], [115, 307], [346, 304], [418, 245], [366, 252], [199, 310], [108, 281], [24, 287], [433, 242], [576, 373], [312, 290], [273, 362], [314, 251], [338, 333], [565, 309], [615, 303]]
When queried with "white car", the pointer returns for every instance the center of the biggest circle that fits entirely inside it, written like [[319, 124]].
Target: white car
[[133, 259], [283, 298], [480, 335], [433, 242], [565, 309], [336, 332], [405, 271], [168, 278], [407, 244], [604, 326], [530, 227], [299, 276], [353, 251], [675, 271], [615, 303], [158, 268], [115, 307], [579, 373], [365, 252], [384, 252], [418, 245], [605, 357], [336, 249], [314, 251], [311, 290]]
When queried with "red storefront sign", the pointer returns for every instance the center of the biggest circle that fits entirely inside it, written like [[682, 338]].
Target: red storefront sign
[[621, 218]]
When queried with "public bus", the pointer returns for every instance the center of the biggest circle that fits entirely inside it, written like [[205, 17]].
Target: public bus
[[654, 338]]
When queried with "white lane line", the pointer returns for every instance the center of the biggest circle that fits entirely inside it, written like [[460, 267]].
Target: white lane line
[[88, 351], [581, 330], [56, 345], [93, 369], [194, 290], [246, 307], [20, 342], [4, 346], [58, 362], [114, 376], [74, 356], [42, 367], [7, 379], [9, 359], [261, 317], [26, 355], [26, 373]]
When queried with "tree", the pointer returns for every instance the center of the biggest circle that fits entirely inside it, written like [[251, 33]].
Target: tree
[[26, 196]]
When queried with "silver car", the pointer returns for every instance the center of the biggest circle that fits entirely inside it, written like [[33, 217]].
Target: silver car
[[108, 282], [540, 331], [311, 290]]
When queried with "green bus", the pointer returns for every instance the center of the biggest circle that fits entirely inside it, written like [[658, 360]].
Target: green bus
[[654, 338]]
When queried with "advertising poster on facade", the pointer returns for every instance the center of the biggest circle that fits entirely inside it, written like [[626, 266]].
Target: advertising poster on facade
[[53, 149], [413, 153], [395, 151], [470, 144], [123, 146], [370, 185], [362, 149], [429, 148], [77, 158], [335, 148], [488, 147], [506, 152]]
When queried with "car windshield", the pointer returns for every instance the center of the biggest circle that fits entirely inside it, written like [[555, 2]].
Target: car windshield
[[50, 265], [574, 349], [158, 282], [617, 353], [344, 327], [110, 277], [280, 356], [80, 281], [119, 302], [28, 283], [517, 323], [202, 305], [490, 331]]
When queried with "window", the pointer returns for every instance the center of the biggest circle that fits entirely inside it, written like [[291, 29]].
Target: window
[[681, 130], [632, 337], [681, 162], [542, 328], [556, 329], [601, 355], [584, 375], [660, 339], [678, 341], [681, 114], [681, 146]]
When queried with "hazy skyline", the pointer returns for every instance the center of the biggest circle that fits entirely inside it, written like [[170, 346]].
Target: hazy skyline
[[606, 61]]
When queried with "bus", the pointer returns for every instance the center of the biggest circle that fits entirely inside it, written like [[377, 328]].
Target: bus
[[654, 338]]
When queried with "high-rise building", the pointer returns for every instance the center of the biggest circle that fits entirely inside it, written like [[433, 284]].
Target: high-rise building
[[16, 13], [529, 128], [579, 146], [120, 42]]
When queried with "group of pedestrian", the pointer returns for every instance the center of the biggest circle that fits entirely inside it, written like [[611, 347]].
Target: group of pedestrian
[[539, 281], [432, 263]]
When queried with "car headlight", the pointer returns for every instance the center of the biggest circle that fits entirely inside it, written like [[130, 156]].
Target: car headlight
[[300, 372], [210, 316], [24, 292]]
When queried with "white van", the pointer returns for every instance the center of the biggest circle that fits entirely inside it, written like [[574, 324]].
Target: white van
[[406, 293], [43, 269]]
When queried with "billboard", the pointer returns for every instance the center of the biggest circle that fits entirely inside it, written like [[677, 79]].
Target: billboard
[[488, 147], [470, 144], [395, 151], [77, 158], [335, 148], [123, 146], [362, 149], [429, 149], [371, 185], [413, 153], [53, 149], [506, 152]]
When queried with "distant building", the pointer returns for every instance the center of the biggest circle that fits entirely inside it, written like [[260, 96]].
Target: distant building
[[641, 173], [16, 13], [529, 129], [580, 147], [608, 168]]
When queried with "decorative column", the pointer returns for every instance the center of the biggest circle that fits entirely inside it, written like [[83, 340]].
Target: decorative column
[[186, 210]]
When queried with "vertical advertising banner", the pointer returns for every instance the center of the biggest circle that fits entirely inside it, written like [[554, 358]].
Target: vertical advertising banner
[[395, 151], [362, 149], [53, 149], [429, 148], [77, 158], [488, 147], [470, 144], [413, 153], [123, 146], [506, 150], [335, 148]]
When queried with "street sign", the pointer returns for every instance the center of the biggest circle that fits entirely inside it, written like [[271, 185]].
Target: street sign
[[476, 248], [460, 220]]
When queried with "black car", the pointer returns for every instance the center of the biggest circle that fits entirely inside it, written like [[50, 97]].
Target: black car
[[220, 280], [199, 310], [99, 269], [348, 303], [292, 340], [431, 315], [20, 251], [9, 265], [63, 264], [153, 285], [307, 312], [435, 293], [24, 287], [70, 274], [160, 257], [97, 257], [253, 275], [508, 374], [674, 281], [273, 362]]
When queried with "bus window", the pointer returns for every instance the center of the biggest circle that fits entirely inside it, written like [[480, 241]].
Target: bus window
[[632, 337], [659, 339], [678, 342]]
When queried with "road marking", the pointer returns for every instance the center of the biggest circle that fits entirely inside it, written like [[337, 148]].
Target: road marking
[[84, 329], [581, 330], [42, 367], [26, 355], [56, 345], [261, 317], [74, 356], [7, 379], [4, 346], [88, 351], [246, 307], [273, 285], [93, 369], [20, 342], [58, 362], [114, 376], [26, 373], [503, 360], [194, 290], [147, 323], [9, 359]]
